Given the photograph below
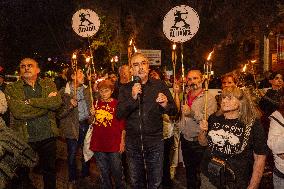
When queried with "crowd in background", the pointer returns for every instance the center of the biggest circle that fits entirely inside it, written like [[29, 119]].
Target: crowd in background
[[138, 119]]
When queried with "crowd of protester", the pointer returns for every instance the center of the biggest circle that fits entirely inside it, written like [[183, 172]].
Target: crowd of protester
[[133, 124]]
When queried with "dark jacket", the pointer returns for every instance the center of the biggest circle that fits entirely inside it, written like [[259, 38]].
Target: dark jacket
[[69, 115], [151, 112], [270, 101]]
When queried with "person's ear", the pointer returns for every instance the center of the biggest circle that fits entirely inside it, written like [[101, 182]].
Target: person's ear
[[37, 70]]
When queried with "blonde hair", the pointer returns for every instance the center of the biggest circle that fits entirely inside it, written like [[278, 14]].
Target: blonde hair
[[248, 111], [232, 75]]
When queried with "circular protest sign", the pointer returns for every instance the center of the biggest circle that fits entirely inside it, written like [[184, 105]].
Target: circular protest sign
[[181, 23], [85, 22]]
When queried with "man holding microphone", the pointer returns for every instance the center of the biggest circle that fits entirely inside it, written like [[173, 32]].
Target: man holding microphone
[[142, 103]]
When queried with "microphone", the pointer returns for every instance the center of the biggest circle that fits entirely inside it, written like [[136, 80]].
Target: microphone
[[137, 79]]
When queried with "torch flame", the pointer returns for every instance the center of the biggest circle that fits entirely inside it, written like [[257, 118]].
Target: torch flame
[[88, 59], [244, 68], [74, 56], [174, 46], [209, 56], [135, 50], [130, 42]]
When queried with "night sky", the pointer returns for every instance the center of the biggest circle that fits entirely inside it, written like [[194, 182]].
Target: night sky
[[42, 28], [36, 28]]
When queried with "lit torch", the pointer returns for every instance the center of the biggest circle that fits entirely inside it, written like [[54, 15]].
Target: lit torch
[[129, 50], [174, 59], [207, 72], [208, 66], [245, 68], [209, 56], [130, 42], [74, 65]]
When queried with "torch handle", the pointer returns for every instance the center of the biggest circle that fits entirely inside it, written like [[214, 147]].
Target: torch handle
[[206, 101]]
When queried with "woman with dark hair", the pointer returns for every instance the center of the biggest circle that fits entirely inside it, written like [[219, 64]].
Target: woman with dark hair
[[236, 143], [75, 117], [270, 101]]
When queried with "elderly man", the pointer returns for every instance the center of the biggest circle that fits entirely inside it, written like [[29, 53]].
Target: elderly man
[[142, 103], [193, 113], [32, 101]]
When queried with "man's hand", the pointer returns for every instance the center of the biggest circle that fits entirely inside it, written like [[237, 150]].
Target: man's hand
[[121, 147], [122, 142], [73, 102], [136, 89], [202, 136], [52, 94], [162, 100], [203, 124], [176, 88]]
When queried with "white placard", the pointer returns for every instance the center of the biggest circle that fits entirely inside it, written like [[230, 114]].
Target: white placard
[[85, 22], [154, 56], [181, 23]]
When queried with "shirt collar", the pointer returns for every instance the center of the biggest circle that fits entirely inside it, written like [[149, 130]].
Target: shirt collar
[[26, 84]]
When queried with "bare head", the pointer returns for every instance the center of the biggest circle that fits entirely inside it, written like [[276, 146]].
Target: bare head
[[77, 75], [29, 69], [139, 65], [195, 79], [124, 74], [276, 80]]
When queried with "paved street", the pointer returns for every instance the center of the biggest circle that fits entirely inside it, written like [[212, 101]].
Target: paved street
[[62, 175], [62, 178]]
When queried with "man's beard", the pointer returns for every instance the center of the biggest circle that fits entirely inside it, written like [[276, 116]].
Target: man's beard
[[27, 75], [195, 86]]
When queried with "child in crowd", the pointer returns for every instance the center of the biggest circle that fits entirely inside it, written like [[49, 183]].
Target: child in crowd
[[107, 140]]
